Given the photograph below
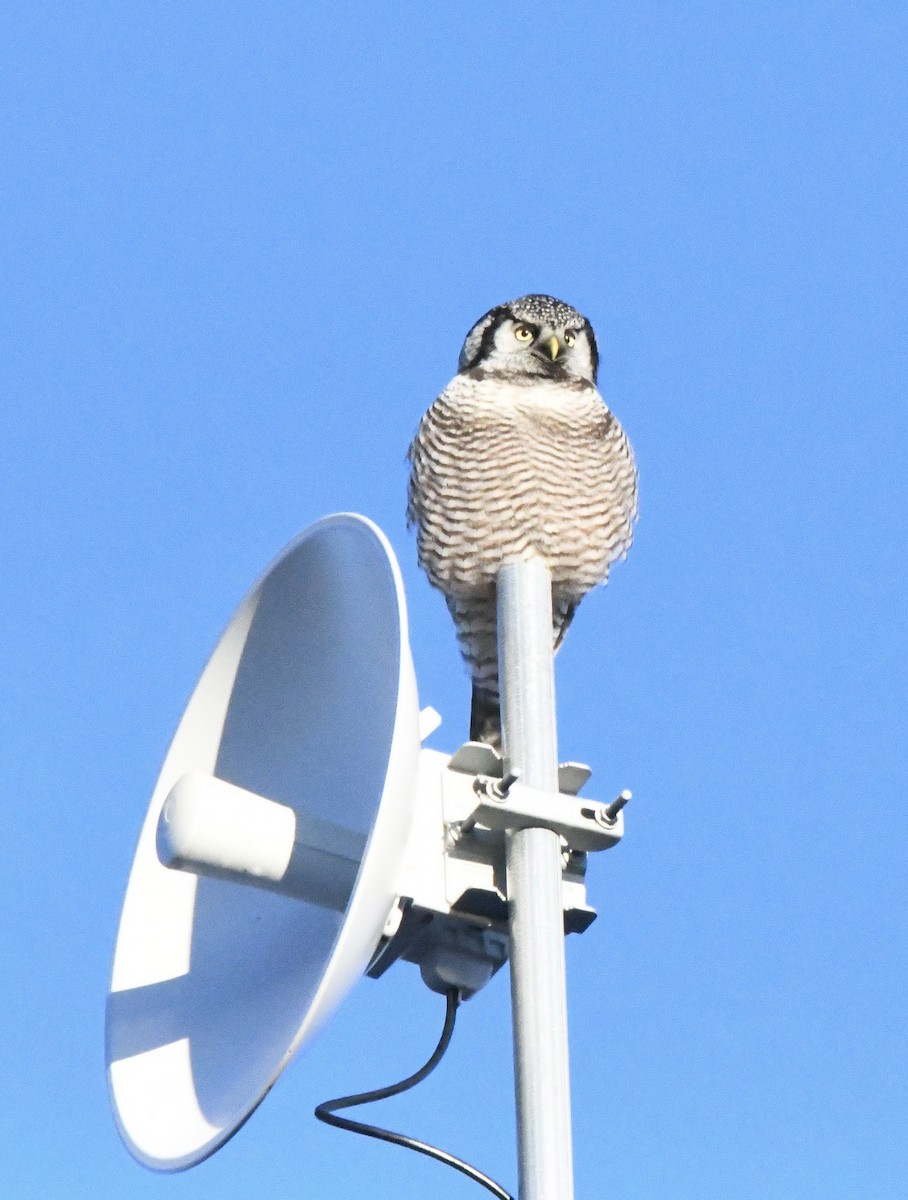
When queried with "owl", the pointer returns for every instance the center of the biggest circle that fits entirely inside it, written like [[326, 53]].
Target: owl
[[519, 456]]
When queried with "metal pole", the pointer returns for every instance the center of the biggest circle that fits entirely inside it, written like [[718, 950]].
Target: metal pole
[[538, 993]]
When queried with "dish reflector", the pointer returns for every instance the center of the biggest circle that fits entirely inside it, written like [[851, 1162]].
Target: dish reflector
[[309, 702]]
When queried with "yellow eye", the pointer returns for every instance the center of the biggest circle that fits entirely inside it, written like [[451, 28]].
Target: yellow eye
[[523, 333], [569, 337]]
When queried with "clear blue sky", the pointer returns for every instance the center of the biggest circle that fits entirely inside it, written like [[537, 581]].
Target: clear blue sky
[[241, 246]]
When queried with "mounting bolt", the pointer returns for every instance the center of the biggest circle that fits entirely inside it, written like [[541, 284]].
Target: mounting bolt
[[608, 813], [496, 789], [453, 834]]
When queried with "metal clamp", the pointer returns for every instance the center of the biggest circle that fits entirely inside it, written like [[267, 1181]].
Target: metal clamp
[[507, 804]]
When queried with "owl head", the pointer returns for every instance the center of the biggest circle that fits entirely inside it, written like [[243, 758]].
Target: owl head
[[535, 335]]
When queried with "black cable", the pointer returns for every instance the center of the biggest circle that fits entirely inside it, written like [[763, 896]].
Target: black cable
[[325, 1111]]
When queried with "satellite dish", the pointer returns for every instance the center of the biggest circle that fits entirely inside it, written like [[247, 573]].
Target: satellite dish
[[306, 718]]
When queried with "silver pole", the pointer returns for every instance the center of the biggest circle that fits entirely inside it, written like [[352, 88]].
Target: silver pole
[[538, 993]]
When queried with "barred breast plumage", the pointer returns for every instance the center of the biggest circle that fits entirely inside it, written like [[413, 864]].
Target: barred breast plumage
[[509, 463]]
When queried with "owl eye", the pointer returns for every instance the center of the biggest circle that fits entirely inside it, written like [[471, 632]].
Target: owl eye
[[523, 333], [569, 337]]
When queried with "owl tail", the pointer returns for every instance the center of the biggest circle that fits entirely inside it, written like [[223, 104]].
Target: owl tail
[[476, 631], [485, 718]]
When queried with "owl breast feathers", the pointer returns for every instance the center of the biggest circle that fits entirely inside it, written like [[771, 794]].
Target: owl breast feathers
[[519, 456]]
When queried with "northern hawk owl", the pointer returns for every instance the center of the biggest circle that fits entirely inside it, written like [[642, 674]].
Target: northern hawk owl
[[519, 456]]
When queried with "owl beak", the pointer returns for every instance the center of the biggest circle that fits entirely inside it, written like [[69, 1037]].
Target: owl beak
[[554, 347]]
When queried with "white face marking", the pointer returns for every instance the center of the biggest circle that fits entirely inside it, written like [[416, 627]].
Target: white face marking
[[516, 338], [521, 347]]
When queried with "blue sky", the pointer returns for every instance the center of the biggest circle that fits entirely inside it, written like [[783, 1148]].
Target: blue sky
[[242, 245]]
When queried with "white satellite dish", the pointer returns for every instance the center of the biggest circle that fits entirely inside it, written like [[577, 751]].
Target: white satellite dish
[[298, 835], [305, 722]]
